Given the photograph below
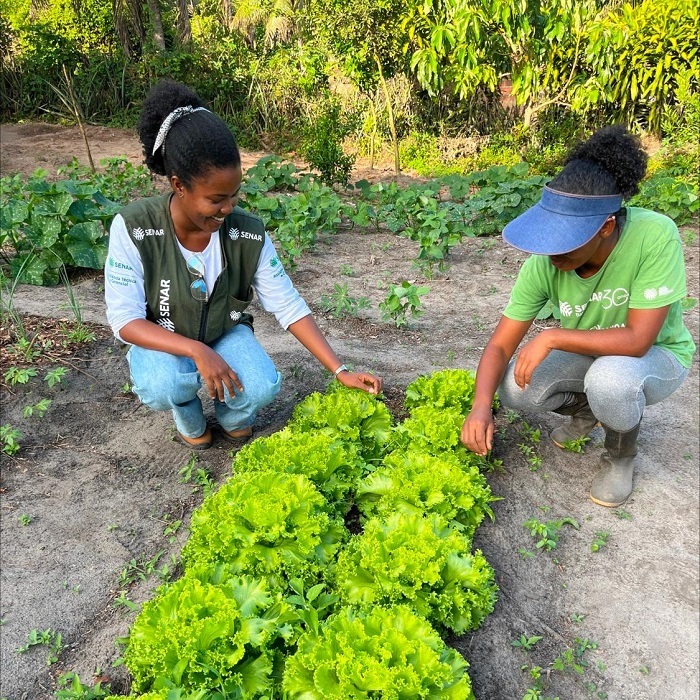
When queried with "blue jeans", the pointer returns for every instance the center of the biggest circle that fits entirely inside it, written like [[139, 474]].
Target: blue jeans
[[163, 381], [618, 387]]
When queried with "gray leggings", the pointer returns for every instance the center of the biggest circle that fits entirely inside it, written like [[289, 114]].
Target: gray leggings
[[618, 387]]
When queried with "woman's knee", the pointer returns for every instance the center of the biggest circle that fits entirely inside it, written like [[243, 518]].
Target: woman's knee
[[161, 381], [262, 392], [611, 380]]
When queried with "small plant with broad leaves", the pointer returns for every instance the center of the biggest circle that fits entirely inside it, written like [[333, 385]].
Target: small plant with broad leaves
[[339, 303], [547, 533], [403, 303], [9, 439]]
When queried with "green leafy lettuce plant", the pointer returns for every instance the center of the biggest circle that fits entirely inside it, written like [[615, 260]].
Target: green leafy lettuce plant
[[346, 414], [265, 524], [213, 631], [382, 653], [332, 465], [421, 562], [412, 482]]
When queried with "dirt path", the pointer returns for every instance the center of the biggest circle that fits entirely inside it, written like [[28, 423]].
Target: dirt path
[[98, 478]]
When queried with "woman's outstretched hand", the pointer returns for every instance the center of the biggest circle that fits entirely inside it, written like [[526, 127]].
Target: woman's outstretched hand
[[361, 380], [477, 431]]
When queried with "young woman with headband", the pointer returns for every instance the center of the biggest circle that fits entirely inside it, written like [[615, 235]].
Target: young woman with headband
[[617, 276], [182, 269]]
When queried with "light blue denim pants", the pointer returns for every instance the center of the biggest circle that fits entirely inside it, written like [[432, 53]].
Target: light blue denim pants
[[618, 387], [163, 381]]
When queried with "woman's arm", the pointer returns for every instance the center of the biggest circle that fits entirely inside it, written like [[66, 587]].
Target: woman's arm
[[307, 332], [477, 431], [634, 340]]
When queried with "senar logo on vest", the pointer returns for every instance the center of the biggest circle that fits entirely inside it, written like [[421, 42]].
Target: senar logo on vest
[[139, 233], [234, 234]]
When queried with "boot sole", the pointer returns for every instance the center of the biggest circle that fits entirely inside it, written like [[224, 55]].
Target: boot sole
[[606, 504], [203, 442]]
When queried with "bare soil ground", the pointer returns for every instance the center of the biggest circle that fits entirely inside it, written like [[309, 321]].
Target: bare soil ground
[[98, 478]]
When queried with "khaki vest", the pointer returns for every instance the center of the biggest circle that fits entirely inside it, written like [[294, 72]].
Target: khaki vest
[[169, 302]]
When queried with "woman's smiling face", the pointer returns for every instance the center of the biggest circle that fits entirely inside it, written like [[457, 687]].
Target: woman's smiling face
[[205, 203]]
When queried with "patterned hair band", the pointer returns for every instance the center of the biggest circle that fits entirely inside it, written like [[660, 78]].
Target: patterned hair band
[[170, 120]]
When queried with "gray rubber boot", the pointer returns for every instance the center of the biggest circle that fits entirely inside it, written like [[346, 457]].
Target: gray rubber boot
[[581, 423], [612, 485]]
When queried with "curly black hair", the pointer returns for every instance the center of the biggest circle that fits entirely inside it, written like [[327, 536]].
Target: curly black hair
[[612, 161], [196, 143]]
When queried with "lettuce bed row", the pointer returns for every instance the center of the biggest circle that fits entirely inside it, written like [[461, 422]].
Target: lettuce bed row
[[279, 600]]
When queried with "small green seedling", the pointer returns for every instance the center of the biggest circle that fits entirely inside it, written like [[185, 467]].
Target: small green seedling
[[38, 409], [71, 688], [525, 553], [171, 530], [526, 643], [346, 270], [623, 514], [547, 534], [25, 519], [17, 375], [578, 618], [122, 601], [48, 638], [341, 304], [645, 670], [403, 303], [576, 445], [600, 541], [10, 437], [55, 376]]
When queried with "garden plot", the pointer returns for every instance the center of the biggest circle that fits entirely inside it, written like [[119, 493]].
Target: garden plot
[[103, 485]]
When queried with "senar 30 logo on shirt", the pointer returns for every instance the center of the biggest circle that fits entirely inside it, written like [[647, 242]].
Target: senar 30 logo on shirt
[[140, 233], [234, 234]]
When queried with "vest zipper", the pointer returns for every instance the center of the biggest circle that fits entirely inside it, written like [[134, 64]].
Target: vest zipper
[[203, 323], [205, 313]]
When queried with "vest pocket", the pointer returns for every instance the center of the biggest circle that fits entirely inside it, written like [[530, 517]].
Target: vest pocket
[[236, 307]]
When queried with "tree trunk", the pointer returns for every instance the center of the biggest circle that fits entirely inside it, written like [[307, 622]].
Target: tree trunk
[[390, 114], [157, 20], [184, 29]]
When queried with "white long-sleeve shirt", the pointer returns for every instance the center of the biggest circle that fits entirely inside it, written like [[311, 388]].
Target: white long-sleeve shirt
[[125, 294]]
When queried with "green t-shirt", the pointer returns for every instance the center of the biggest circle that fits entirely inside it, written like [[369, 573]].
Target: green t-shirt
[[644, 271]]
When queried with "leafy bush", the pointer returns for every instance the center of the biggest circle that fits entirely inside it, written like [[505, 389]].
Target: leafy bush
[[331, 464], [669, 195], [322, 146], [350, 415], [502, 193], [412, 483], [265, 524], [120, 181], [50, 225], [420, 562], [211, 631], [383, 653]]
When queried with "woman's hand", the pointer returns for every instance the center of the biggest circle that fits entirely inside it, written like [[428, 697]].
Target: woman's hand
[[530, 357], [361, 380], [216, 374], [477, 431]]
